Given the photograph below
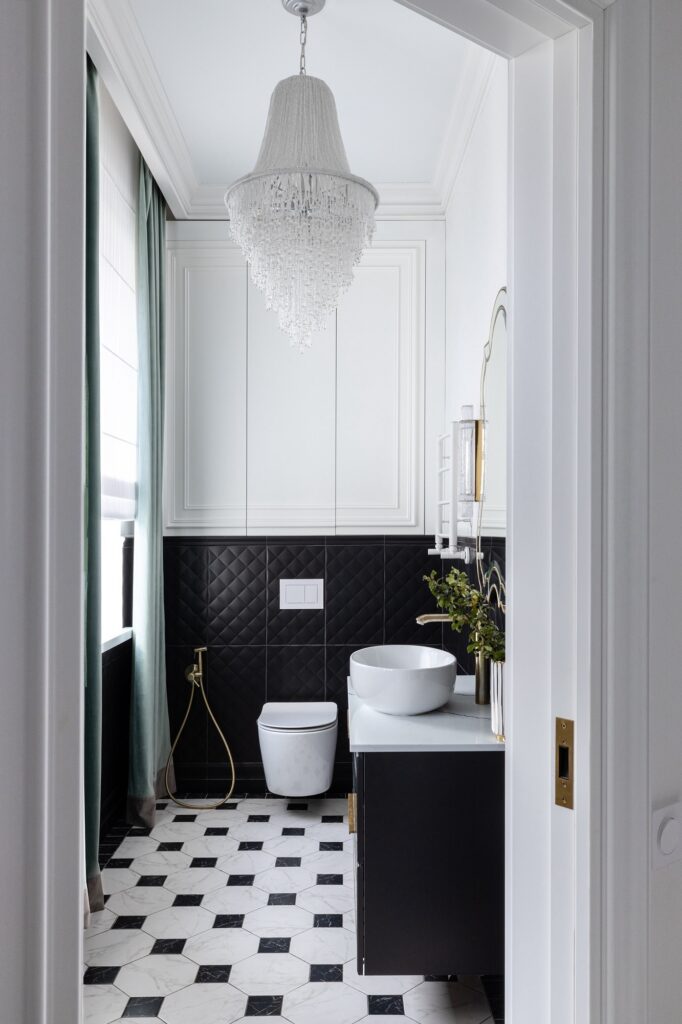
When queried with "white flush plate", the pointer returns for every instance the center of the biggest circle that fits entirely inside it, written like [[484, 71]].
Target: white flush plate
[[666, 835], [301, 594]]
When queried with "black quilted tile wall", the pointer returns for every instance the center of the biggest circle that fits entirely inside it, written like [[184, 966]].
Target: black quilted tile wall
[[224, 593]]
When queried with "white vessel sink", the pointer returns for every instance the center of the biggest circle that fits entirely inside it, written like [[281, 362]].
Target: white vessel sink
[[400, 679]]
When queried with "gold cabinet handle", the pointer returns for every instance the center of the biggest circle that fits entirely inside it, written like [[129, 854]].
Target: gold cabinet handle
[[352, 813]]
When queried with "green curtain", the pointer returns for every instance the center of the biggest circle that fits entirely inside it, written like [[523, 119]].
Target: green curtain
[[93, 645], [149, 729]]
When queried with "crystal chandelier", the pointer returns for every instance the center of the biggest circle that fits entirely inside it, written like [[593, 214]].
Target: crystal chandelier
[[301, 218]]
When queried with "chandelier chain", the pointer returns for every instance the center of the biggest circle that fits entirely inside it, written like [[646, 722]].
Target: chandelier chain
[[303, 41]]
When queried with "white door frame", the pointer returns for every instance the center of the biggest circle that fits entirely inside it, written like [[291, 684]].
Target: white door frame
[[608, 355]]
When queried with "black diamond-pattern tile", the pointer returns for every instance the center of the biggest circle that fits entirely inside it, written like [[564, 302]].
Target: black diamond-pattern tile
[[204, 862], [331, 846], [169, 847], [237, 594], [129, 921], [293, 831], [236, 691], [191, 747], [151, 880], [328, 921], [240, 879], [330, 879], [294, 561], [288, 862], [251, 845], [407, 596], [355, 594], [185, 571], [229, 921], [295, 673], [282, 899], [216, 832]]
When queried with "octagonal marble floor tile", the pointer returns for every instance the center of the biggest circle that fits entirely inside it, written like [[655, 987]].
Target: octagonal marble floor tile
[[196, 880], [178, 922], [161, 862], [246, 862], [116, 948], [291, 846], [204, 1004], [221, 946], [177, 831], [268, 973], [377, 985], [235, 899], [157, 975], [326, 899], [278, 921], [141, 900], [100, 921], [328, 862], [118, 879], [335, 832], [324, 945], [210, 846], [102, 1004], [334, 1004], [441, 1002], [285, 879], [136, 846], [255, 831]]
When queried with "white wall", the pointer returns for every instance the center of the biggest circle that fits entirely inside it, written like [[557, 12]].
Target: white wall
[[476, 244], [665, 497]]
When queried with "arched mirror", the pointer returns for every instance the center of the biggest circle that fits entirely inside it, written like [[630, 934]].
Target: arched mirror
[[492, 519]]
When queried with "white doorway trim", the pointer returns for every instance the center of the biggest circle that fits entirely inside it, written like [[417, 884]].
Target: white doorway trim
[[41, 597]]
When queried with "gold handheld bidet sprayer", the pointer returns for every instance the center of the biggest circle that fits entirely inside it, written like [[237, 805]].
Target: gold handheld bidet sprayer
[[194, 674]]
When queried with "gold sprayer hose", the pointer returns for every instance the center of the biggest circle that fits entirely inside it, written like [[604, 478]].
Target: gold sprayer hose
[[195, 677]]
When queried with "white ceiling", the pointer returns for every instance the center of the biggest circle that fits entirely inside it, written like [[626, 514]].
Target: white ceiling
[[200, 73]]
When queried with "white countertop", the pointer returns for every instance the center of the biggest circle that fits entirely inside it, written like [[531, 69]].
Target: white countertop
[[460, 725]]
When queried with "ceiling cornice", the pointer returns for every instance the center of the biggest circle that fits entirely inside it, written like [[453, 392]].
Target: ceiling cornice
[[118, 48]]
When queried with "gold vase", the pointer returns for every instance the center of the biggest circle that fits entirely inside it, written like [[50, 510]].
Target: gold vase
[[482, 679]]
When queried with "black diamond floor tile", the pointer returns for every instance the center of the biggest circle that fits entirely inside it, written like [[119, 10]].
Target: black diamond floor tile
[[189, 899], [326, 972], [213, 974], [129, 921], [331, 846], [143, 1006], [385, 1006], [293, 831], [251, 846], [328, 921], [229, 921], [100, 975], [170, 847], [216, 831], [288, 862], [204, 862], [282, 899], [240, 879], [274, 945], [152, 880], [330, 879], [168, 946], [264, 1006]]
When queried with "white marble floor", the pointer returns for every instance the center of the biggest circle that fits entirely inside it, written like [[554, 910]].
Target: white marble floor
[[215, 917]]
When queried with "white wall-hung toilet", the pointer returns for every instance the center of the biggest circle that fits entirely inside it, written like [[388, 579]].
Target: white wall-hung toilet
[[297, 744]]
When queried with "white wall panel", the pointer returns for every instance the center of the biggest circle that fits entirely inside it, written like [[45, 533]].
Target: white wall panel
[[290, 446], [206, 415], [380, 468]]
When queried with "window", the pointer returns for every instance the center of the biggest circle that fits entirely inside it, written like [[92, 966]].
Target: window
[[119, 164]]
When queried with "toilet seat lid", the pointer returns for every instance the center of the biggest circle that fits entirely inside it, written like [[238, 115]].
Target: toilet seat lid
[[311, 714]]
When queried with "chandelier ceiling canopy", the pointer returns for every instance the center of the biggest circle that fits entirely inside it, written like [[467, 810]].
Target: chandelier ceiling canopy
[[301, 218]]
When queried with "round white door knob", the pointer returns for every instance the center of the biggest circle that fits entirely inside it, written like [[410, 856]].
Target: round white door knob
[[669, 836]]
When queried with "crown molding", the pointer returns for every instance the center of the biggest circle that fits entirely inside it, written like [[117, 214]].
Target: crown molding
[[118, 48]]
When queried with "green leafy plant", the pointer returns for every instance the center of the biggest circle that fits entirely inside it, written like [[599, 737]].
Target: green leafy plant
[[467, 607]]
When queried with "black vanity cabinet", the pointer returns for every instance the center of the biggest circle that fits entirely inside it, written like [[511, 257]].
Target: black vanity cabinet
[[430, 862]]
